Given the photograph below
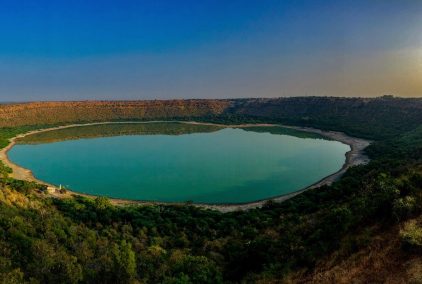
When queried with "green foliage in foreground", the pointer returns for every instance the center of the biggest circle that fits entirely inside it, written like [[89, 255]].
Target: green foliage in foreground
[[45, 240], [4, 170], [411, 235]]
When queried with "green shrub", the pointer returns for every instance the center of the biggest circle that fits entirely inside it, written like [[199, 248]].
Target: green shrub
[[4, 170], [411, 235], [404, 207]]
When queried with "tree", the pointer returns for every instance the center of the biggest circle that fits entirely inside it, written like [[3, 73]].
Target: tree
[[4, 170], [198, 269], [102, 203], [124, 261]]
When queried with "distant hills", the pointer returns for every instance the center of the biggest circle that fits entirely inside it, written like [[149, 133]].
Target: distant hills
[[386, 115]]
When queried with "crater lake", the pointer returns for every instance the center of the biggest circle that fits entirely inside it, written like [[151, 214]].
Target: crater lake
[[179, 162]]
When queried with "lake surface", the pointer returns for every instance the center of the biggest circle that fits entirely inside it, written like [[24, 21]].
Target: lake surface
[[177, 162]]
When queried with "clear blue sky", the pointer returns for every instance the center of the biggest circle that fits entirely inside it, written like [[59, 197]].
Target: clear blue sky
[[80, 49]]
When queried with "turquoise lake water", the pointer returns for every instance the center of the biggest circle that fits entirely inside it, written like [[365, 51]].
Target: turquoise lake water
[[217, 165]]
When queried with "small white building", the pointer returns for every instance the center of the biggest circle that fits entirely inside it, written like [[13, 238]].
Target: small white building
[[51, 189]]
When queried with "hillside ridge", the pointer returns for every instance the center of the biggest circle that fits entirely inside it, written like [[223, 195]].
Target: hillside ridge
[[385, 115]]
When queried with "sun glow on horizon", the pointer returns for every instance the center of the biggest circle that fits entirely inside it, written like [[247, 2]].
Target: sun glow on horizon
[[209, 49]]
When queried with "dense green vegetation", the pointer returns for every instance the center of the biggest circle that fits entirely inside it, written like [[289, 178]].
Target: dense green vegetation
[[8, 133], [48, 240]]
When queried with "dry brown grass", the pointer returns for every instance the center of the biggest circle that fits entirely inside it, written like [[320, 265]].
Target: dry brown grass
[[382, 261]]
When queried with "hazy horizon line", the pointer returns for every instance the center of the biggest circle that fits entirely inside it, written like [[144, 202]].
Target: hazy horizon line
[[210, 99]]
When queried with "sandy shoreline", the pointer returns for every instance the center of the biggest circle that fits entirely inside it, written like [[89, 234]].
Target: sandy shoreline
[[354, 157]]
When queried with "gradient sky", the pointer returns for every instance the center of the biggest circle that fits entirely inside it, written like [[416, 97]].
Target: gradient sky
[[80, 49]]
